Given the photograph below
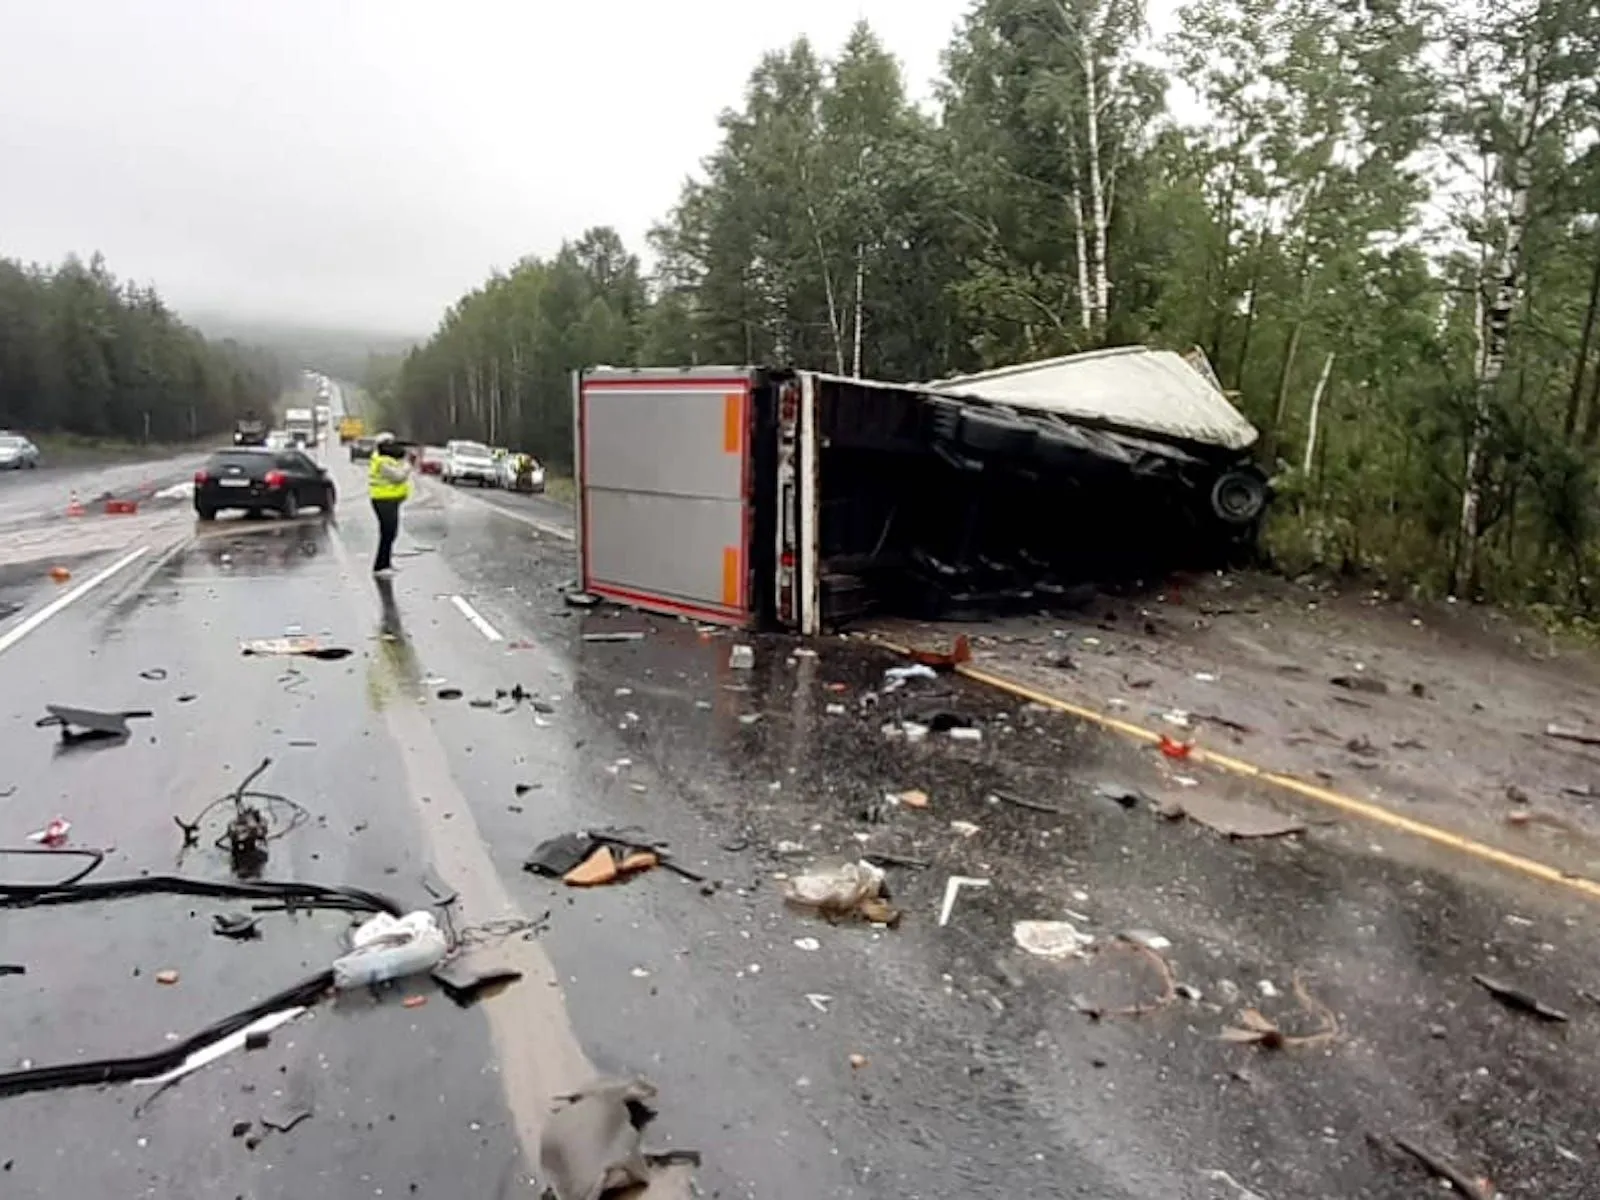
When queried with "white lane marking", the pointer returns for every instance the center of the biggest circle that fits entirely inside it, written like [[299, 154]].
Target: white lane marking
[[539, 523], [12, 636], [476, 617]]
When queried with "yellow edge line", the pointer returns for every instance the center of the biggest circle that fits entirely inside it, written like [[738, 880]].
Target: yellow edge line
[[1349, 804]]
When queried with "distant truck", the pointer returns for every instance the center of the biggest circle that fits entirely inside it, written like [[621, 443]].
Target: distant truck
[[324, 420], [301, 426], [351, 428], [250, 430]]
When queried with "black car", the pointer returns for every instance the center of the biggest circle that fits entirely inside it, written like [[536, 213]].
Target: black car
[[361, 448], [261, 480]]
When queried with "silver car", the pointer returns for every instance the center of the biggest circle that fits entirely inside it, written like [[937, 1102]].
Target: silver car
[[464, 461], [17, 452]]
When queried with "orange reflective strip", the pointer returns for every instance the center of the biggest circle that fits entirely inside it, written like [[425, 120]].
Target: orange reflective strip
[[730, 576], [732, 423]]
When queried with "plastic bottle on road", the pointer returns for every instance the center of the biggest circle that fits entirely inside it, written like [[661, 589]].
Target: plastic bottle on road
[[390, 948]]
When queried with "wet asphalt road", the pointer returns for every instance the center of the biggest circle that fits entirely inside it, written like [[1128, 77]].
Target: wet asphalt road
[[982, 1074]]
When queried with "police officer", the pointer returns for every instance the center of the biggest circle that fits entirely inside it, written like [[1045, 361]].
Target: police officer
[[388, 485]]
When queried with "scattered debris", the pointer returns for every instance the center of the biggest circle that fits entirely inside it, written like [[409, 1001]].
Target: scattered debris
[[965, 733], [581, 599], [1234, 818], [386, 947], [557, 857], [467, 977], [844, 889], [1050, 939], [154, 674], [742, 658], [304, 647], [1361, 683], [414, 1001], [167, 976], [1513, 997], [448, 693], [896, 678], [858, 1061], [12, 969], [1175, 749], [286, 1124], [92, 724], [1442, 1168], [819, 1001], [616, 635], [60, 574], [1144, 937], [880, 859], [912, 799], [1223, 722], [237, 1040], [255, 822], [1566, 734], [953, 885], [959, 652], [1241, 1192], [807, 943], [1019, 802], [53, 834], [241, 927], [593, 1143], [964, 828], [1256, 1029], [1119, 793]]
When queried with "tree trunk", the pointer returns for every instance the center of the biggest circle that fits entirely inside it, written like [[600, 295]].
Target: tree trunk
[[1080, 240], [1316, 414], [834, 326], [1250, 309], [1097, 193], [1496, 329], [861, 282], [1570, 425]]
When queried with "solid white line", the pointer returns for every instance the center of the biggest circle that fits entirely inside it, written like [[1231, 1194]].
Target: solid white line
[[559, 531], [473, 615], [12, 636]]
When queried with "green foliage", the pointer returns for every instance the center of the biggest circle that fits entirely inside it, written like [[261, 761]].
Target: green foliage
[[82, 354], [1399, 196]]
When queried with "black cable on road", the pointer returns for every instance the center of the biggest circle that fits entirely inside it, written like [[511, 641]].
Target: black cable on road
[[125, 1070], [300, 895]]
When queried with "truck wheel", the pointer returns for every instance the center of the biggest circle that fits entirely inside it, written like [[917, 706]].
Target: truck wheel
[[205, 512], [1238, 496]]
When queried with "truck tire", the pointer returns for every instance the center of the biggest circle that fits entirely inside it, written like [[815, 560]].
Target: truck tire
[[205, 512], [1238, 496]]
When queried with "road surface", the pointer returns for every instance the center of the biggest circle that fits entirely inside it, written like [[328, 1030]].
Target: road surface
[[804, 1059]]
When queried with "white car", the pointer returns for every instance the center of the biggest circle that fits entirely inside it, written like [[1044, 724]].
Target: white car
[[508, 474], [464, 461], [17, 452]]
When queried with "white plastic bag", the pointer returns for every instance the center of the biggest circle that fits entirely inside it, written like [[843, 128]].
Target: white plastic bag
[[387, 947], [835, 888]]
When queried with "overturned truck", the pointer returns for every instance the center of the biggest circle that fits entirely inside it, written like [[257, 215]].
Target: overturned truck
[[799, 500]]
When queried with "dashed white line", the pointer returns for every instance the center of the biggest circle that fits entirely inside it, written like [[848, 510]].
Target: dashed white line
[[476, 617], [12, 636]]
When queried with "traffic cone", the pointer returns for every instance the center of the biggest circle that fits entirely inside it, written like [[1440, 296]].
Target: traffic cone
[[75, 506]]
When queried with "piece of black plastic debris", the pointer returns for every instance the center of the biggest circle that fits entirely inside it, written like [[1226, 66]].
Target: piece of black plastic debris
[[581, 599], [13, 969], [558, 855], [542, 706], [285, 1124], [481, 702], [154, 674], [522, 789], [1361, 683], [438, 889], [241, 927], [879, 858], [1031, 805], [8, 792], [187, 698], [257, 1039], [465, 981], [1516, 998], [1122, 794], [240, 1128], [92, 724], [448, 693], [944, 722]]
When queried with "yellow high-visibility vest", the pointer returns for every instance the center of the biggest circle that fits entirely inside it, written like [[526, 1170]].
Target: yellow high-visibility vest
[[380, 488]]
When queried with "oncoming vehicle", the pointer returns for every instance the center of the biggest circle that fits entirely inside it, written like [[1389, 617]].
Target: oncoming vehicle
[[465, 461], [17, 452], [256, 480], [361, 448]]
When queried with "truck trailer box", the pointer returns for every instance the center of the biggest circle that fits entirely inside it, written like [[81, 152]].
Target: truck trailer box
[[720, 494]]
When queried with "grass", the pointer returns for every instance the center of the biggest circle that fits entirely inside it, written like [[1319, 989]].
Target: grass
[[71, 449], [560, 488]]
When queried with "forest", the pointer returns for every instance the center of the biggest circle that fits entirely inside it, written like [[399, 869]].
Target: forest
[[82, 353], [1380, 219]]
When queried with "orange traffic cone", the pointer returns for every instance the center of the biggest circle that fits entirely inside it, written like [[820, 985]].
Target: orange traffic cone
[[75, 506]]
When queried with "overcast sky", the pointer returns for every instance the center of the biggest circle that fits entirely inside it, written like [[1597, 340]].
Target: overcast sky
[[363, 162]]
